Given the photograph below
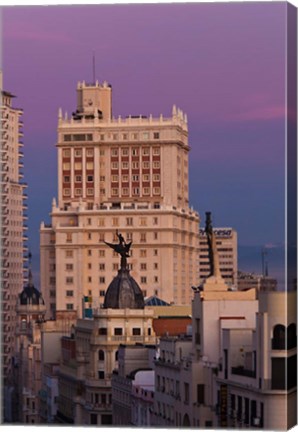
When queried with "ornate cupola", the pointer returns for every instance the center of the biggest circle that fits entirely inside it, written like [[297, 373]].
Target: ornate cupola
[[30, 305], [123, 292]]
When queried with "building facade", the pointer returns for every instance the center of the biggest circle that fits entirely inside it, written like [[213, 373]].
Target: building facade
[[129, 174], [12, 231], [227, 247]]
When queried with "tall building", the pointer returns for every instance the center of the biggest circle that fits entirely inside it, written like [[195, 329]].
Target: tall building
[[12, 230], [226, 241], [129, 174]]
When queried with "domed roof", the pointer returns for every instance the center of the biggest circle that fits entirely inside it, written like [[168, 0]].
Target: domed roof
[[124, 292], [30, 295]]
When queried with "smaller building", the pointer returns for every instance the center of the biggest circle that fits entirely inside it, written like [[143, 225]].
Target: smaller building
[[134, 373], [227, 247], [259, 282]]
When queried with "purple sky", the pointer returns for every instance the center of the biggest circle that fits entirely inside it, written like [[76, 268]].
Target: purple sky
[[222, 64]]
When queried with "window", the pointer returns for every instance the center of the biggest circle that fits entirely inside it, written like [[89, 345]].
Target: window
[[78, 166], [115, 267], [102, 293], [66, 153], [89, 152], [52, 293], [116, 355], [156, 135], [136, 331], [114, 152], [101, 222], [89, 252], [143, 266], [156, 191], [156, 177], [129, 221], [102, 331], [124, 165], [124, 191], [115, 221], [115, 178], [145, 135], [135, 152], [125, 136], [186, 393], [69, 306], [90, 191], [200, 394], [125, 152], [90, 178], [69, 267], [78, 178], [89, 266], [78, 192], [69, 293], [115, 191], [146, 165], [66, 179], [69, 280], [102, 178], [101, 266], [278, 341], [143, 253], [143, 280], [118, 331], [135, 178], [66, 192], [146, 151], [102, 137], [66, 166], [156, 279], [101, 374], [114, 165], [124, 178], [136, 191], [146, 177], [156, 164], [144, 292], [101, 253], [101, 355], [102, 280], [143, 238], [135, 165], [135, 136], [146, 191], [89, 279]]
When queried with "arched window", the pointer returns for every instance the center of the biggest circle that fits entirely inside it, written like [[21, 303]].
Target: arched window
[[291, 336], [278, 341], [101, 355]]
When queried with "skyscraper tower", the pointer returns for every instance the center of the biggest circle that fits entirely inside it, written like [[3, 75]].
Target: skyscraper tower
[[12, 228], [129, 174]]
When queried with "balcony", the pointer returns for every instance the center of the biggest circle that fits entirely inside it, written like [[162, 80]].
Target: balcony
[[239, 370]]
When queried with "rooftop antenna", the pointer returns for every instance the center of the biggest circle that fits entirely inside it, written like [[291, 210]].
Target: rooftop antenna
[[93, 67], [264, 253]]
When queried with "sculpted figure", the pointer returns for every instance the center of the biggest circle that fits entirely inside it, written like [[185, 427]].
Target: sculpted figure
[[121, 248], [213, 254]]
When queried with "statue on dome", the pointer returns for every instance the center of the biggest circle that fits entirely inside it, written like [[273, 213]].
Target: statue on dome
[[122, 248]]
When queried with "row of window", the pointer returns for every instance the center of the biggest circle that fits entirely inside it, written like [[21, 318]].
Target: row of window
[[133, 165], [102, 266], [135, 191], [69, 280], [115, 136], [102, 253], [101, 238], [135, 151]]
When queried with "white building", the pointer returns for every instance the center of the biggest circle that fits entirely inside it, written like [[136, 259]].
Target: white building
[[12, 235], [259, 376], [227, 247], [129, 174]]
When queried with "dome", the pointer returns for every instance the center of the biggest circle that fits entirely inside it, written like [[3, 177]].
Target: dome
[[30, 295], [124, 292]]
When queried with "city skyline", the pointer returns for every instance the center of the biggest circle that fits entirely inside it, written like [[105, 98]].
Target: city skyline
[[219, 68]]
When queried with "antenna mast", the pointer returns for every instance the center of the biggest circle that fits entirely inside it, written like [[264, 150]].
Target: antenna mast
[[93, 67]]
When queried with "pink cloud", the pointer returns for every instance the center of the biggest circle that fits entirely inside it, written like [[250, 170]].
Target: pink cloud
[[258, 113]]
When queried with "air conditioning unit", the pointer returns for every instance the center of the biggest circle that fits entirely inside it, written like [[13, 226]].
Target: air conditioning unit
[[256, 421]]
